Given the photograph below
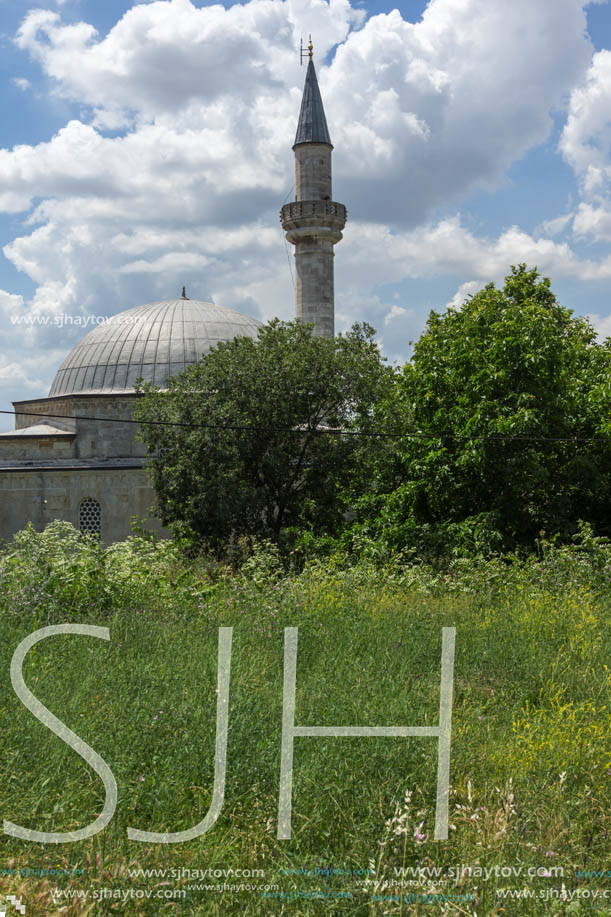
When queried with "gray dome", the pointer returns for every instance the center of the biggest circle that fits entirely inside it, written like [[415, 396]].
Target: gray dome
[[153, 341]]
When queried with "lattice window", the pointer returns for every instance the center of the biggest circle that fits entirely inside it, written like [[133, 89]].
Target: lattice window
[[90, 517]]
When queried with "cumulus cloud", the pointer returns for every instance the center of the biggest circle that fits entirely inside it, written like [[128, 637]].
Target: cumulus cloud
[[10, 303], [586, 145], [19, 374], [439, 107], [587, 134], [24, 370], [161, 57], [602, 326], [181, 157], [448, 247], [466, 289], [420, 113], [396, 312]]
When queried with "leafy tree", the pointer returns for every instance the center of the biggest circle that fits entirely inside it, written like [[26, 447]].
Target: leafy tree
[[257, 459], [510, 395]]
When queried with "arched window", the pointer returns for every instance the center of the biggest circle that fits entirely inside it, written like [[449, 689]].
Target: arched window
[[90, 517]]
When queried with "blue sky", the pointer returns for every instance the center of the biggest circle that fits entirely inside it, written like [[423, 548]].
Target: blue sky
[[143, 146]]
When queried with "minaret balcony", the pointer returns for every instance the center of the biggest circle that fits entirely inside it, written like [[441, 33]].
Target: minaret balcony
[[306, 214]]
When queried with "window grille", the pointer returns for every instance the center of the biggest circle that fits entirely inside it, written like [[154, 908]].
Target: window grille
[[90, 517]]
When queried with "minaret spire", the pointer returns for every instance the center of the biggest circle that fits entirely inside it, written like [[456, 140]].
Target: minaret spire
[[313, 222], [312, 124]]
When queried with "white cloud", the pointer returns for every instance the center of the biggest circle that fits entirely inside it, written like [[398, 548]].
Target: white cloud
[[21, 374], [555, 226], [21, 83], [24, 370], [396, 312], [448, 247], [10, 303], [162, 56], [206, 102], [602, 326], [466, 289], [464, 75], [419, 113], [399, 327], [593, 220], [586, 145], [587, 134]]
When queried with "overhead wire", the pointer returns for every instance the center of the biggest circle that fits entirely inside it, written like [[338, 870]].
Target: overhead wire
[[286, 247], [323, 430]]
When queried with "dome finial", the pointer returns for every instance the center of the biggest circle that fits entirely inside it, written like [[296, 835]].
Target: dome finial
[[184, 293]]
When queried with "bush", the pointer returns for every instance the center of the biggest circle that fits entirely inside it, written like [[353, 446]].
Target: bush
[[507, 403]]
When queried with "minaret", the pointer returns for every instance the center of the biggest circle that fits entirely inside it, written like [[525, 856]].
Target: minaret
[[313, 222]]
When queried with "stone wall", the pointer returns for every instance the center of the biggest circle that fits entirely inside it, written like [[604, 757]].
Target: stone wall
[[313, 172], [313, 224], [102, 437], [22, 448], [47, 476], [98, 437], [41, 495], [314, 285], [33, 413]]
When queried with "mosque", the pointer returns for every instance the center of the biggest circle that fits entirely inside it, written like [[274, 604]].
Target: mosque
[[71, 455]]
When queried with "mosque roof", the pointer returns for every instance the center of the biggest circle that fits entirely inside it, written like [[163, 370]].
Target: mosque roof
[[154, 341], [312, 126]]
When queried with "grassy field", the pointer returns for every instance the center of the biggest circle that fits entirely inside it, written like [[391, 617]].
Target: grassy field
[[530, 754]]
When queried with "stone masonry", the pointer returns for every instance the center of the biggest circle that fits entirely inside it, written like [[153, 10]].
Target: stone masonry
[[313, 223]]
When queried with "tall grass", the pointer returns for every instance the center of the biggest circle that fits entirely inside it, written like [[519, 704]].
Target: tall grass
[[530, 759]]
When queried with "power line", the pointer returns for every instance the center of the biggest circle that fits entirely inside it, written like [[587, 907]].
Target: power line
[[288, 195], [329, 431], [288, 258], [286, 248]]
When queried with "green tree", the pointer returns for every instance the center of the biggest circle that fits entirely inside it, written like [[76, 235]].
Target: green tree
[[511, 396], [257, 459]]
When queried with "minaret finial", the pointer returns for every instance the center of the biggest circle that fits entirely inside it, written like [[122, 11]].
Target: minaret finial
[[310, 47]]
